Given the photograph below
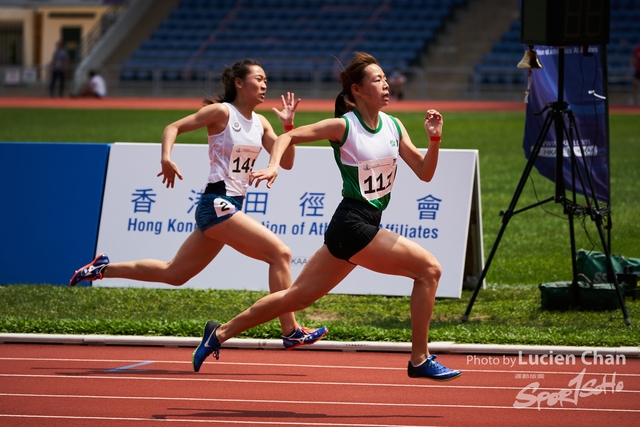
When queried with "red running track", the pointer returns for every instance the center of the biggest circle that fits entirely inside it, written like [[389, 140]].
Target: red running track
[[68, 385]]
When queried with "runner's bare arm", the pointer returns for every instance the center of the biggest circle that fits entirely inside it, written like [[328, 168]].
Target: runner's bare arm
[[331, 129]]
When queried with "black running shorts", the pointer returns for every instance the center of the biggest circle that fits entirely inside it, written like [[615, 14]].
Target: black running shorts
[[353, 226]]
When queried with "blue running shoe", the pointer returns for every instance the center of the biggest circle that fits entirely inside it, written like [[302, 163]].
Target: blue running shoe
[[432, 370], [303, 336], [209, 345], [91, 271]]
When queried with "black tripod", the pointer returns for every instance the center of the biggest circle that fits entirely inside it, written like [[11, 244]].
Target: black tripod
[[555, 116]]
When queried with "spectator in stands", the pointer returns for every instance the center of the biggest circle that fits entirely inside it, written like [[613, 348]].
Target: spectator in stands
[[396, 81], [236, 134], [58, 67], [634, 62], [96, 87], [366, 143]]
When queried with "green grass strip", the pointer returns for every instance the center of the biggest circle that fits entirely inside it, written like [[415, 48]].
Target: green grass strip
[[501, 315]]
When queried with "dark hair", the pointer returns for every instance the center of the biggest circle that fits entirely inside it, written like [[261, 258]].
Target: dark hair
[[353, 74], [238, 70]]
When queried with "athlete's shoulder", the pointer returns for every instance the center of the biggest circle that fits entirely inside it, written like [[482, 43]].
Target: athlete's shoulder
[[217, 109], [260, 117]]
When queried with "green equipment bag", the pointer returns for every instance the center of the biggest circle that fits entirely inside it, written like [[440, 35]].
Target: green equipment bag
[[598, 296], [600, 293], [594, 292], [558, 296], [592, 266], [585, 296]]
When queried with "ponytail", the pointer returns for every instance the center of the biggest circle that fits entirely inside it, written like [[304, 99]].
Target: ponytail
[[342, 105]]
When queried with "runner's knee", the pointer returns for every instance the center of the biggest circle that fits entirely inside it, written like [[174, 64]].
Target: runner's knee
[[431, 269], [296, 301], [175, 276], [177, 281], [280, 255], [435, 270]]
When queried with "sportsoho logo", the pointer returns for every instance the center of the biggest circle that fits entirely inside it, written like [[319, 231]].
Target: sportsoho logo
[[577, 388], [583, 385]]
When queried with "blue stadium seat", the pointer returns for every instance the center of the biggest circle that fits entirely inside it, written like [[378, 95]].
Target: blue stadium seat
[[308, 33]]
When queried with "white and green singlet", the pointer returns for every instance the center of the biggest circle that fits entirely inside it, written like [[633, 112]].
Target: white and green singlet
[[368, 158]]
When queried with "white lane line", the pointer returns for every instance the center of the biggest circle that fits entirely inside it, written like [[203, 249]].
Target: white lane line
[[288, 382], [309, 366], [298, 402]]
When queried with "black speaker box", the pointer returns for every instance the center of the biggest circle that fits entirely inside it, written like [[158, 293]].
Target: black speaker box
[[565, 22]]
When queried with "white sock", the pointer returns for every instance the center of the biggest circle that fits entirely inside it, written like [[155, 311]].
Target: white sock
[[421, 363]]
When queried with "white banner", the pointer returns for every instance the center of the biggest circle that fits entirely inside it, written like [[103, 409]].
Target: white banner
[[143, 219]]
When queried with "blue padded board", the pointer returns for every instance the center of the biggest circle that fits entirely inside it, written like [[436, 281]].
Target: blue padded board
[[50, 204]]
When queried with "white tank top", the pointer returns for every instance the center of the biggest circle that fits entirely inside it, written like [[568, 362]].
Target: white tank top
[[233, 152]]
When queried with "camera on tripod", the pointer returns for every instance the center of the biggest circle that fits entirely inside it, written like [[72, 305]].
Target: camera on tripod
[[555, 25]]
